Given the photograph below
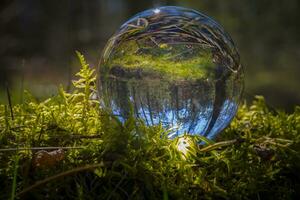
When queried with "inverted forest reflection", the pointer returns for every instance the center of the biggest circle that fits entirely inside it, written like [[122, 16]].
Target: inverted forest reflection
[[187, 107]]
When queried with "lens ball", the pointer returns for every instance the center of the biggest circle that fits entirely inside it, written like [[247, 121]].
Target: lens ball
[[172, 66]]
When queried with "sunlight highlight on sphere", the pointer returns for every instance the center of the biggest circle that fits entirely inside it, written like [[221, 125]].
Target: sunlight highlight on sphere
[[156, 11], [172, 66], [183, 145]]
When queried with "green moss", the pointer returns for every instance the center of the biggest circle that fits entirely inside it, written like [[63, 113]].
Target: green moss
[[163, 63], [256, 157]]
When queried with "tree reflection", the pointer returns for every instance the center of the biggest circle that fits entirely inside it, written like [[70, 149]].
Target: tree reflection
[[184, 107]]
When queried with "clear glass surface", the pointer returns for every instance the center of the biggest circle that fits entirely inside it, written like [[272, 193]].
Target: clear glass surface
[[172, 66]]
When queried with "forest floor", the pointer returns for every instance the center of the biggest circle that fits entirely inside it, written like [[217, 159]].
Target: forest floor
[[67, 147]]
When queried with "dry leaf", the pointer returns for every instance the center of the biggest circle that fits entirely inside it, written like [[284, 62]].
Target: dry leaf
[[43, 159]]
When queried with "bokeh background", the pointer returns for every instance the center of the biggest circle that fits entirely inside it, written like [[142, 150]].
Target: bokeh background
[[38, 40]]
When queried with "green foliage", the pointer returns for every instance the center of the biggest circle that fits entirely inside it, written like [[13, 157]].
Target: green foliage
[[256, 157]]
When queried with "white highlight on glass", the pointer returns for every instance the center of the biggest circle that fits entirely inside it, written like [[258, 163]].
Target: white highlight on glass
[[156, 11]]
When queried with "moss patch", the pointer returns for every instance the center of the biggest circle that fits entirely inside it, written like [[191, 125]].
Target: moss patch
[[168, 62], [256, 157]]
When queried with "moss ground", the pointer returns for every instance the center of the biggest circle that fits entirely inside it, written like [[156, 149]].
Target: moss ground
[[92, 155]]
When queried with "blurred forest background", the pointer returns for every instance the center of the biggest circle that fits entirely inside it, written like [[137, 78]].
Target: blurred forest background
[[38, 40]]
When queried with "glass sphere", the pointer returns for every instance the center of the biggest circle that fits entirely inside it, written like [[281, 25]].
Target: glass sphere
[[175, 67]]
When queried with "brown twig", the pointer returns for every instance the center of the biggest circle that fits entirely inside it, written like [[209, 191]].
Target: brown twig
[[57, 176], [218, 145], [39, 148], [78, 136], [9, 102]]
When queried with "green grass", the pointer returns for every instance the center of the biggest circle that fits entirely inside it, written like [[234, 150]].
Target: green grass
[[162, 64], [256, 157]]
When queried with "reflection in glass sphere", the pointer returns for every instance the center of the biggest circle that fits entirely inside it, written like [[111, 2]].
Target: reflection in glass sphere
[[174, 66]]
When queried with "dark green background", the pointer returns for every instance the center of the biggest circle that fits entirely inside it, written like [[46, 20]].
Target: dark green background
[[38, 40]]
